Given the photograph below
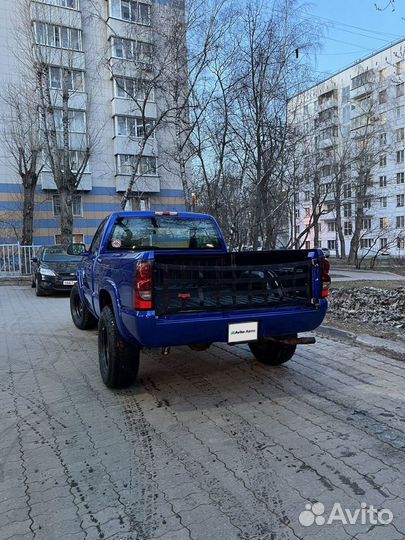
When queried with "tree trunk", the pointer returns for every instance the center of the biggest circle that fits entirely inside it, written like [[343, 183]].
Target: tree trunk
[[66, 216], [355, 241], [339, 229], [28, 213]]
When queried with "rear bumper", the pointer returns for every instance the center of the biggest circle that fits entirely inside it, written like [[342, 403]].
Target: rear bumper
[[147, 330]]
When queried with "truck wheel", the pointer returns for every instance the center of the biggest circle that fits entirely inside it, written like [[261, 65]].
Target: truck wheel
[[271, 352], [81, 315], [119, 360]]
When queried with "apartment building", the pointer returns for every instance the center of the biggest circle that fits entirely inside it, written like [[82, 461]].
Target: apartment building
[[101, 43], [357, 109]]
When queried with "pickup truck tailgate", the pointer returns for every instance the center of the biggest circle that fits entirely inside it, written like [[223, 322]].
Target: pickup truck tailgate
[[231, 281]]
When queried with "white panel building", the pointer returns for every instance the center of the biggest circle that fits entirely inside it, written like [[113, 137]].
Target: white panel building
[[85, 35], [336, 115]]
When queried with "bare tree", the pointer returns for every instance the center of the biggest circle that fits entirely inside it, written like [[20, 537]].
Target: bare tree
[[49, 57], [21, 137]]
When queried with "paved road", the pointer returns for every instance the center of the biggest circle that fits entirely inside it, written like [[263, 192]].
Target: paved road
[[208, 445], [362, 275]]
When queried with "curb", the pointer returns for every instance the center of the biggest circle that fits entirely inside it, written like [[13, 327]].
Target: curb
[[394, 350], [15, 281]]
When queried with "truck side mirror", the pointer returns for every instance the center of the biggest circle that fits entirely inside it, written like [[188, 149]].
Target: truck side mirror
[[76, 249]]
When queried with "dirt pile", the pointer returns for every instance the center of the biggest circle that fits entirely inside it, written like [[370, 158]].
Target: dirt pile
[[369, 305]]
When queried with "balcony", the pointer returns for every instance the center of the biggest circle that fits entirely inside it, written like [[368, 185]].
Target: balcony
[[145, 184], [47, 182], [362, 84], [128, 107], [127, 145], [53, 14]]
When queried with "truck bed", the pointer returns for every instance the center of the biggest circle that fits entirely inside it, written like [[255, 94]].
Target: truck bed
[[231, 281]]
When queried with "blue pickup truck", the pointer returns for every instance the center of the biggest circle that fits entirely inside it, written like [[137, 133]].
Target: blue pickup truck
[[162, 279]]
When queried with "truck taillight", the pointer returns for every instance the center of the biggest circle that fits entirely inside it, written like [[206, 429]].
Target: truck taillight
[[143, 286], [326, 281]]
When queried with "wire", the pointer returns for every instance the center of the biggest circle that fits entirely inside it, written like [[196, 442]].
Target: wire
[[347, 43], [339, 23]]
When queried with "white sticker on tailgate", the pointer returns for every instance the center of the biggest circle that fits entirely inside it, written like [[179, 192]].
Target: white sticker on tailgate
[[242, 332]]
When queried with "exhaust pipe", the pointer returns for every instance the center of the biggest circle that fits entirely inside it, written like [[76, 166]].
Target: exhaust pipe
[[293, 341]]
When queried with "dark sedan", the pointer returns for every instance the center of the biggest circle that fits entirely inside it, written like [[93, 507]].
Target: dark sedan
[[53, 269]]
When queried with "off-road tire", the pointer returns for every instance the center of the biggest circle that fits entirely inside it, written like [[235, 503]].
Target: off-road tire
[[81, 315], [271, 352], [118, 360]]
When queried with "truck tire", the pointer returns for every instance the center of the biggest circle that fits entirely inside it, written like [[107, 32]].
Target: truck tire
[[119, 360], [81, 315], [271, 352]]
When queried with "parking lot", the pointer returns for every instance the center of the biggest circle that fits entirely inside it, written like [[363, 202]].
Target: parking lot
[[208, 445]]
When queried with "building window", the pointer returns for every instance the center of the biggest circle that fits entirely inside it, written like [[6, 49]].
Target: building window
[[383, 139], [71, 4], [367, 203], [400, 134], [129, 49], [361, 79], [383, 160], [126, 164], [366, 224], [76, 119], [400, 243], [132, 11], [307, 244], [400, 200], [399, 89], [297, 230], [332, 245], [400, 111], [77, 238], [400, 156], [347, 210], [307, 196], [347, 191], [307, 212], [383, 243], [61, 37], [366, 243], [76, 205], [347, 228], [400, 222], [382, 97], [400, 177], [138, 204], [134, 127], [383, 181], [331, 226], [383, 202], [74, 78], [383, 222], [133, 89]]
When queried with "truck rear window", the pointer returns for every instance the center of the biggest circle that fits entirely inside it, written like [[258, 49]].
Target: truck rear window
[[161, 232]]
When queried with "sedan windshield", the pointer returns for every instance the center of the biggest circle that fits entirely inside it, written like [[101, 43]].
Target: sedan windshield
[[58, 254], [162, 232]]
